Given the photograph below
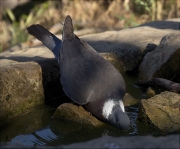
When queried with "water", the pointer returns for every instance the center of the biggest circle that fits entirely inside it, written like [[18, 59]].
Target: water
[[38, 128]]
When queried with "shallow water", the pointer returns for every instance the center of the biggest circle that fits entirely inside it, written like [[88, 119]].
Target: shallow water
[[38, 128]]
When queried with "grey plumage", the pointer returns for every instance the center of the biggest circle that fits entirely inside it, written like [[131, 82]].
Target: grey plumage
[[47, 38], [85, 75]]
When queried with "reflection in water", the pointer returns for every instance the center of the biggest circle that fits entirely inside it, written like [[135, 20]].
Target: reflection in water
[[41, 137], [132, 112], [61, 132]]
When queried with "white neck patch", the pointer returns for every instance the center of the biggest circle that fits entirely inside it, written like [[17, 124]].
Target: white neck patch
[[108, 107], [121, 104]]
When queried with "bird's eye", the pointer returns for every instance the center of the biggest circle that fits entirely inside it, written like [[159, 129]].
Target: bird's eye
[[117, 123]]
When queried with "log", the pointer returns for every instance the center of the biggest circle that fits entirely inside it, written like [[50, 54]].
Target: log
[[161, 82]]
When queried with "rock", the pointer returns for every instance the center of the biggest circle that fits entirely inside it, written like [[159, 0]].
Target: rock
[[76, 113], [20, 88], [150, 47], [150, 92], [128, 100], [128, 44], [27, 54], [164, 61], [167, 24], [26, 84], [161, 111], [53, 92], [113, 59]]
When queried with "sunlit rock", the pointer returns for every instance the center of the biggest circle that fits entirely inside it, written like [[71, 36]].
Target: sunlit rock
[[164, 61], [128, 44], [20, 88], [76, 113], [161, 111], [128, 100]]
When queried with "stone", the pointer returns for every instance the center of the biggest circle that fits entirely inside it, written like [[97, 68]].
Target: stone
[[161, 111], [164, 61], [128, 44], [128, 100], [167, 24], [113, 59], [27, 83], [72, 112], [150, 92], [20, 88]]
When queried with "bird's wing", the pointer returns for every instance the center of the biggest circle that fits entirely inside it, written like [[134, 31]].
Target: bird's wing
[[47, 38], [85, 75]]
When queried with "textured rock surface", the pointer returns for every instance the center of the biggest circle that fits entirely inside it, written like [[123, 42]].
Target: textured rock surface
[[128, 100], [17, 82], [161, 111], [164, 61], [76, 113], [128, 44]]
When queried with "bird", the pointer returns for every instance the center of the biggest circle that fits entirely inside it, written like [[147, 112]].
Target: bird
[[86, 78]]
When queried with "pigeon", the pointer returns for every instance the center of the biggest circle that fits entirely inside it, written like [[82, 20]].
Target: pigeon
[[87, 78]]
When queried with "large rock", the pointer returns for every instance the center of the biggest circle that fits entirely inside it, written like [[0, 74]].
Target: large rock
[[76, 113], [129, 44], [20, 88], [161, 111], [27, 83], [128, 100], [164, 61], [167, 24]]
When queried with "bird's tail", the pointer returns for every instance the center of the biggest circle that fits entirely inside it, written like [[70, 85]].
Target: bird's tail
[[47, 38]]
